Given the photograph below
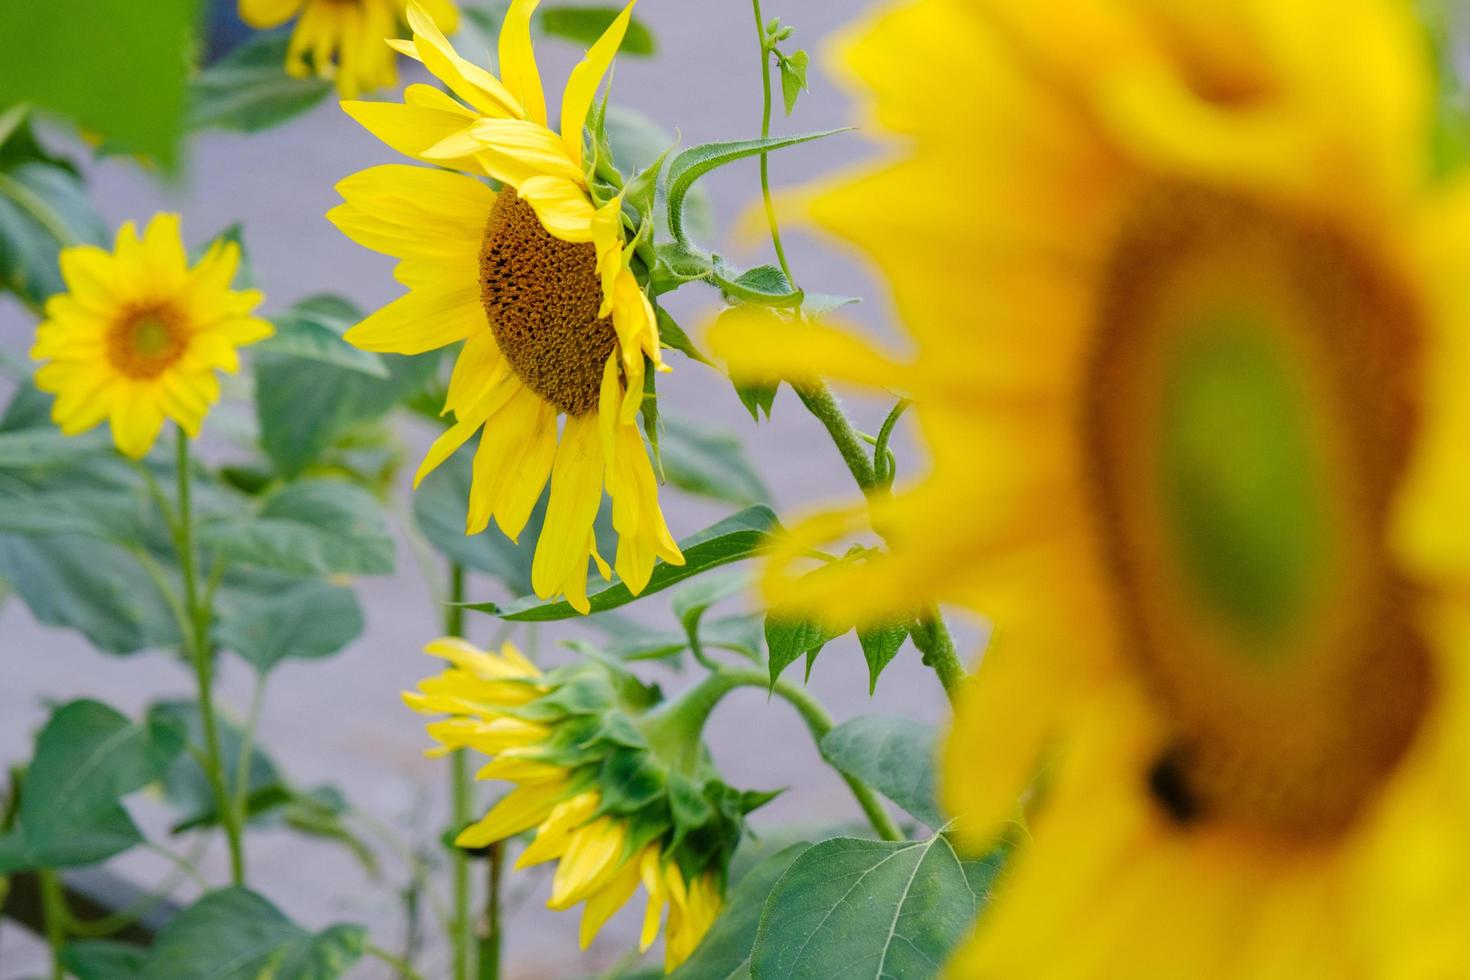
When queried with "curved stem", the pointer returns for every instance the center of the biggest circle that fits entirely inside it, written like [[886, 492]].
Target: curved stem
[[241, 793], [197, 639], [820, 401], [461, 927], [760, 26]]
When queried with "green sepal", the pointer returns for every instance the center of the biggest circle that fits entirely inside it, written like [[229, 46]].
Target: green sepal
[[671, 335], [763, 285], [630, 781]]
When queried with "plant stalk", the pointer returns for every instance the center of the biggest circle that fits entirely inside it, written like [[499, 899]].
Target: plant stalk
[[491, 930], [54, 911], [461, 926], [202, 657], [760, 27]]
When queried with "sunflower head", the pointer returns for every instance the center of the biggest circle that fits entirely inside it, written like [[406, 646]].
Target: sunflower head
[[618, 788], [537, 278], [139, 333], [342, 39]]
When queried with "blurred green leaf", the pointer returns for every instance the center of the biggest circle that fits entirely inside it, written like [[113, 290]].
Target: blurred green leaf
[[234, 934], [248, 89], [893, 755], [185, 785], [88, 757], [314, 527], [584, 25], [313, 329], [710, 463], [733, 539], [117, 67], [307, 621], [103, 959], [724, 953]]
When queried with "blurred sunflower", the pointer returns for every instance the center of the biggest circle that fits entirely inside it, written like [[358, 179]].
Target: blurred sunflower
[[1191, 342], [535, 280], [612, 789], [138, 334], [347, 39]]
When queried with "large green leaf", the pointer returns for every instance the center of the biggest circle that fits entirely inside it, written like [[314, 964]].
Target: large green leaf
[[690, 165], [709, 462], [117, 67], [103, 959], [724, 953], [88, 757], [584, 25], [866, 908], [306, 621], [248, 89], [234, 934], [314, 527], [313, 329], [733, 539], [893, 755], [38, 447], [43, 206]]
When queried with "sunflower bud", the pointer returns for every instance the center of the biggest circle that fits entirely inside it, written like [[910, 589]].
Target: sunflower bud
[[619, 793]]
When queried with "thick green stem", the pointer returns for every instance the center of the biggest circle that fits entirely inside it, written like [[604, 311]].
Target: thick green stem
[[461, 926], [820, 401], [53, 907], [490, 930], [404, 969], [203, 661], [669, 729], [934, 642]]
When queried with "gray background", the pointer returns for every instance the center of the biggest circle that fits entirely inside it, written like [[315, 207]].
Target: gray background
[[340, 721]]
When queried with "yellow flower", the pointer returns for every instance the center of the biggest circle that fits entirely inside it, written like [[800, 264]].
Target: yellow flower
[[347, 39], [535, 280], [138, 335], [591, 786], [1190, 349]]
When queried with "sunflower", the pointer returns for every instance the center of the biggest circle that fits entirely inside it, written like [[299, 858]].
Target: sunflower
[[1189, 348], [139, 333], [580, 749], [535, 280], [344, 37]]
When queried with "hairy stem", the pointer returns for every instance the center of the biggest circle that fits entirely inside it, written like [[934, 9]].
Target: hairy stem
[[201, 654]]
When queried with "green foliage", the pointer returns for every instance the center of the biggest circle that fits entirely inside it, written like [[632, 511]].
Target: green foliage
[[308, 621], [248, 91], [893, 755], [793, 78], [709, 463], [584, 25], [880, 645], [733, 539], [314, 527], [851, 908], [724, 954], [103, 959], [43, 207], [234, 934], [787, 640], [87, 758], [129, 87]]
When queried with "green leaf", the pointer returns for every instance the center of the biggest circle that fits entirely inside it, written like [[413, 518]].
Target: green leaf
[[758, 398], [584, 25], [117, 67], [41, 447], [880, 645], [710, 463], [793, 79], [690, 165], [313, 329], [724, 953], [733, 539], [234, 934], [103, 959], [789, 639], [893, 755], [671, 335], [865, 908], [248, 89], [185, 785], [691, 601], [43, 206], [314, 527], [307, 621], [764, 285], [88, 757]]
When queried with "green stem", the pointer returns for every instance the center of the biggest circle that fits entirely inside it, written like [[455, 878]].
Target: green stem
[[406, 971], [461, 927], [937, 646], [669, 729], [490, 935], [241, 793], [820, 401], [202, 657], [53, 906], [760, 27]]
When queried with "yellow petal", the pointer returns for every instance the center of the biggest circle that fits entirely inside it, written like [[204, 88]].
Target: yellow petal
[[518, 60], [136, 419], [592, 857], [603, 903], [510, 150], [421, 321], [556, 830], [522, 809], [467, 80], [512, 464], [759, 346], [261, 14], [560, 564], [562, 207], [410, 129], [583, 81], [468, 424]]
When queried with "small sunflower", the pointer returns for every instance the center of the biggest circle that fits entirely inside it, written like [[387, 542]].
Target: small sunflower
[[587, 760], [139, 333], [535, 280], [1191, 342], [345, 38]]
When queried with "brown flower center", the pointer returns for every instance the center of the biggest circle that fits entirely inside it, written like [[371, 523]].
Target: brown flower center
[[541, 296], [146, 339], [1247, 413]]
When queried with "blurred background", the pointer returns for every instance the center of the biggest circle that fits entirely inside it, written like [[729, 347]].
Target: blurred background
[[340, 721]]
